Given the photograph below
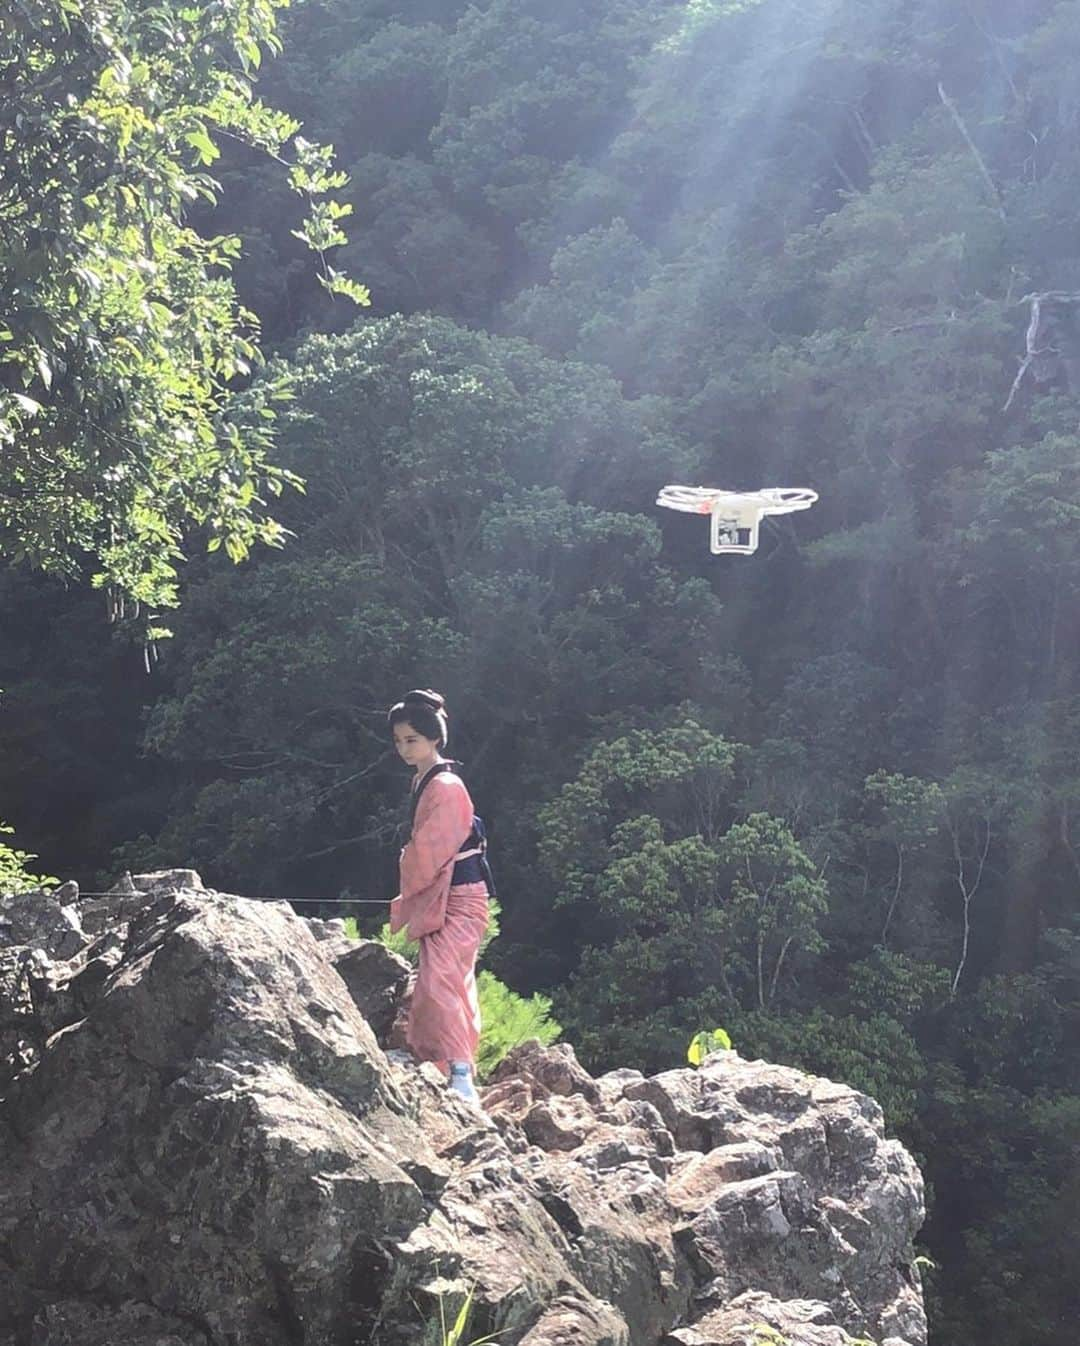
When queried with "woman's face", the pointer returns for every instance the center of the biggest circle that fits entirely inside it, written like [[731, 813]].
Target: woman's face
[[412, 746]]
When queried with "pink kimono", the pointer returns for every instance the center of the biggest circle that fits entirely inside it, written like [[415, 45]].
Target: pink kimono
[[449, 922]]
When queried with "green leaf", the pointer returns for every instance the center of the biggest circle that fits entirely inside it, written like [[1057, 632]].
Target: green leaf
[[200, 141], [706, 1042], [236, 548], [351, 289], [454, 1336]]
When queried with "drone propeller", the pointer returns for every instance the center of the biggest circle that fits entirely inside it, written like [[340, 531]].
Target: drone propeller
[[736, 515]]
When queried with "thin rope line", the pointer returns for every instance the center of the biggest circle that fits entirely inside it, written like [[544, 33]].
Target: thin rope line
[[326, 901]]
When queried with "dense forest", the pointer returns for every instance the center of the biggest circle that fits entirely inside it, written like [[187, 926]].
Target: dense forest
[[827, 796]]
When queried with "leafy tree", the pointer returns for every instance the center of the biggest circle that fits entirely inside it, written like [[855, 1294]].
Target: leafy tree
[[696, 913], [276, 727], [1021, 548], [1002, 1110], [777, 898], [604, 802], [15, 877], [908, 990], [509, 1019], [592, 277], [532, 88], [407, 224], [121, 333], [912, 813], [421, 542]]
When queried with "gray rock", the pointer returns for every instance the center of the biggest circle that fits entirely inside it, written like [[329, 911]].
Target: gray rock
[[548, 1070], [45, 920], [128, 897], [576, 1321], [74, 1323], [165, 881], [697, 1181], [216, 1138], [332, 931], [376, 979], [203, 1143], [755, 1317], [695, 1122]]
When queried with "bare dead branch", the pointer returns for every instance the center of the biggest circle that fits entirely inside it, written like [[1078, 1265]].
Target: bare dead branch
[[779, 965], [897, 887], [1025, 365], [1065, 833], [1037, 324], [869, 144], [943, 321], [954, 112], [967, 893]]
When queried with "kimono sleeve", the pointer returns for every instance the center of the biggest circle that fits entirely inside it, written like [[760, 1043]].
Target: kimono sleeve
[[444, 820]]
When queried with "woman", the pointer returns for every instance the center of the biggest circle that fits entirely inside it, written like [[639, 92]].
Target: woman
[[444, 895]]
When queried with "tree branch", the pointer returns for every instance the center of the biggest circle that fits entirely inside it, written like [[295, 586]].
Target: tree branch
[[968, 894], [896, 894], [1066, 838], [954, 112]]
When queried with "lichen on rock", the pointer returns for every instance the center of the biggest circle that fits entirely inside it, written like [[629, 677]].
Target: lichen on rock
[[204, 1142]]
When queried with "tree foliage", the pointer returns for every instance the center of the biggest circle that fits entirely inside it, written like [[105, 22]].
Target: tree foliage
[[15, 875], [695, 902], [825, 796], [122, 335]]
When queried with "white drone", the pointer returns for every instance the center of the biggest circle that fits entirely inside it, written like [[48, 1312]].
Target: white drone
[[736, 515]]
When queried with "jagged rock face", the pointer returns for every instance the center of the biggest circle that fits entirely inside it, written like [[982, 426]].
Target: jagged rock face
[[203, 1142]]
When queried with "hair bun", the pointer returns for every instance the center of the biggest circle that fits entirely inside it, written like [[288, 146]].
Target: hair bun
[[424, 696]]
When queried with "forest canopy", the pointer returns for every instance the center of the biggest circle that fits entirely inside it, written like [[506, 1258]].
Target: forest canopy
[[827, 796]]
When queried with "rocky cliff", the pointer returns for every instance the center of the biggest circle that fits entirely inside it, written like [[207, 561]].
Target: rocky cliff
[[203, 1144]]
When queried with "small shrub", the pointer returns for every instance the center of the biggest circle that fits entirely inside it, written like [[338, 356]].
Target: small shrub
[[508, 1020], [706, 1042], [14, 875]]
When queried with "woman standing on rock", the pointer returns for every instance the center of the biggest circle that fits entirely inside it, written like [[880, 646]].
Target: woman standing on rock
[[444, 894]]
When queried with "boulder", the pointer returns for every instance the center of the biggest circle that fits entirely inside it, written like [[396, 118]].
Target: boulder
[[376, 979], [48, 920], [548, 1070], [203, 1142], [763, 1321]]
